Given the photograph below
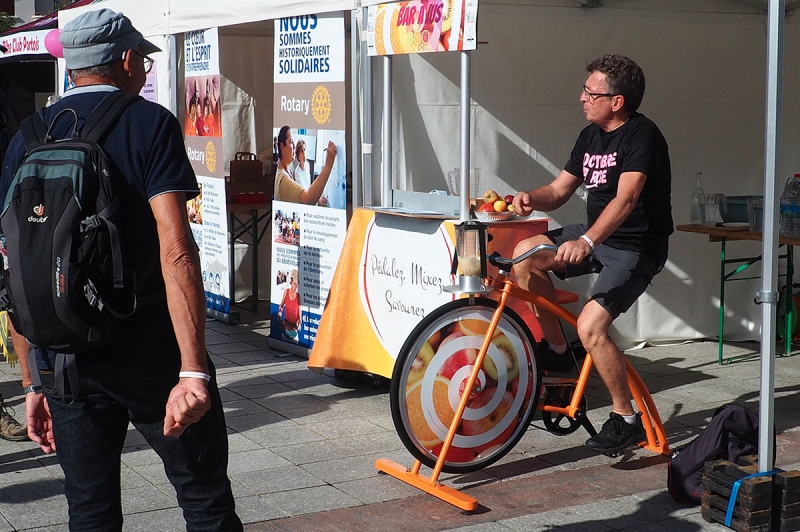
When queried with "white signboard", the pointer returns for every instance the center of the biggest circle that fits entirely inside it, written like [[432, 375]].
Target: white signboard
[[399, 286]]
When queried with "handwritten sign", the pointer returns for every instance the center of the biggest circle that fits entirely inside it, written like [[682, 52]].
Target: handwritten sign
[[399, 288]]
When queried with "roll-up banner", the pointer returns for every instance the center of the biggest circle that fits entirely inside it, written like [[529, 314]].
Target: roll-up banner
[[309, 226], [203, 137]]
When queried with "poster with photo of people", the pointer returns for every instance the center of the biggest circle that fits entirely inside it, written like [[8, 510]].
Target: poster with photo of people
[[306, 244], [310, 201], [203, 109], [202, 123]]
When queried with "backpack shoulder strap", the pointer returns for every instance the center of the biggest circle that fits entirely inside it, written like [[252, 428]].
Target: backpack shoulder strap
[[106, 115], [34, 130]]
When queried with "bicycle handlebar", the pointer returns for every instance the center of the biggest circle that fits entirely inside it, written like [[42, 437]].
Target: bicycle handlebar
[[496, 260]]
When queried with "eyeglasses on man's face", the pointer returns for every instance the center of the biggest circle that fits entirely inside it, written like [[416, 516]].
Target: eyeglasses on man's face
[[147, 61], [595, 95]]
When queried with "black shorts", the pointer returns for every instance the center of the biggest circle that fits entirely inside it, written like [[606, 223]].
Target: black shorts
[[623, 275]]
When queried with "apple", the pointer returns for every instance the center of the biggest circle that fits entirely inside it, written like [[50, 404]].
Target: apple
[[473, 427], [490, 196], [452, 336], [463, 384], [486, 207], [454, 454], [509, 198], [511, 208], [486, 450], [456, 361], [500, 205]]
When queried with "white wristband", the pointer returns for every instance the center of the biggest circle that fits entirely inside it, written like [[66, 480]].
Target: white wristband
[[588, 241], [194, 375]]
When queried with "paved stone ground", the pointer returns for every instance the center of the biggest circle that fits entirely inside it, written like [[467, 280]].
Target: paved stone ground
[[303, 446]]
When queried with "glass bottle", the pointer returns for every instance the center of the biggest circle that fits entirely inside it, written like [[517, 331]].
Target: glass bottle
[[790, 208], [698, 200]]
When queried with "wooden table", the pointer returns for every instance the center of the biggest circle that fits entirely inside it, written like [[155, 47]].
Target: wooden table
[[722, 235], [239, 225]]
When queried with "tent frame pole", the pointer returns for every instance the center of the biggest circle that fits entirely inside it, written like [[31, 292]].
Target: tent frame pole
[[466, 88], [769, 294], [386, 184]]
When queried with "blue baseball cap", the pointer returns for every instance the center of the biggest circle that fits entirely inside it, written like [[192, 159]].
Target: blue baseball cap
[[100, 37]]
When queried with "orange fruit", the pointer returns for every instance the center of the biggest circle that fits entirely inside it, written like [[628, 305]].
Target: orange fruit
[[396, 34], [475, 327], [380, 47], [441, 406]]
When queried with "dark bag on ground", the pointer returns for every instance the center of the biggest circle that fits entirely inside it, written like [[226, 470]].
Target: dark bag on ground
[[68, 276], [731, 434]]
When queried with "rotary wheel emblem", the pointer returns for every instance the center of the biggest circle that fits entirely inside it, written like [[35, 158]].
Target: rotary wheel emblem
[[211, 157], [321, 105]]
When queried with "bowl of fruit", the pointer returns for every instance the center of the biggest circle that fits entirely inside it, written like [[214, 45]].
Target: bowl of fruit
[[495, 208]]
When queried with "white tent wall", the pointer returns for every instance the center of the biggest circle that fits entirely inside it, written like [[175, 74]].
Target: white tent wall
[[706, 68], [705, 64]]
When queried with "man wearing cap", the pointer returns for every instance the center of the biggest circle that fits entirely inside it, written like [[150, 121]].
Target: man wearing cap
[[157, 374]]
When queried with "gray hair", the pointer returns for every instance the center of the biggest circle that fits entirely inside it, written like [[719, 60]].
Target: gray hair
[[99, 71]]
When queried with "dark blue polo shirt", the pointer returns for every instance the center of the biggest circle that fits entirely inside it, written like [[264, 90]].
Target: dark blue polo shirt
[[147, 147]]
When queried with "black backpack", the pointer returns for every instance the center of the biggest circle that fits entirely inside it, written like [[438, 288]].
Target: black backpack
[[731, 434], [68, 277]]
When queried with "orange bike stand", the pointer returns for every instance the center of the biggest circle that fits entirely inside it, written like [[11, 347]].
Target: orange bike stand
[[428, 485]]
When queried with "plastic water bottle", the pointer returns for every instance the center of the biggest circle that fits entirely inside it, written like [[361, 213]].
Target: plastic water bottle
[[790, 208], [698, 199]]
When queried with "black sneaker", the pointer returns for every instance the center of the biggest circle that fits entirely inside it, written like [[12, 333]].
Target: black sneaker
[[616, 435], [554, 362]]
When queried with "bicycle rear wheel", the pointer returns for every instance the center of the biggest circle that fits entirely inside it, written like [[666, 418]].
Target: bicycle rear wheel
[[430, 374]]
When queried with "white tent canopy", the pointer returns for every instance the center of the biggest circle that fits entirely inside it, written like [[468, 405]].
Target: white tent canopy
[[171, 17], [706, 63]]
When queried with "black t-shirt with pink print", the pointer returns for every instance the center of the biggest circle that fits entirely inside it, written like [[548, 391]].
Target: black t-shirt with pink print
[[600, 158]]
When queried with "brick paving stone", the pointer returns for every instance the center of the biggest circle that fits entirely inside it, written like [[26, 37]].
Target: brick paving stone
[[303, 445], [310, 500], [287, 478]]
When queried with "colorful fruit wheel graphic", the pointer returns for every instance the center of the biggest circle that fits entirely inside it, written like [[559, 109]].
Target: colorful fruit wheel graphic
[[430, 377]]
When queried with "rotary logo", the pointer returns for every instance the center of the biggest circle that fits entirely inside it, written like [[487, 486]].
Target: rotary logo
[[321, 105], [211, 157]]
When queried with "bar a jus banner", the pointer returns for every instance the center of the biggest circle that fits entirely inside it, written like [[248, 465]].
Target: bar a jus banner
[[203, 137], [422, 26], [307, 239]]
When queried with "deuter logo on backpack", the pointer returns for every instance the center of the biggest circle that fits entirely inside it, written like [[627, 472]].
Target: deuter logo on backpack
[[69, 279], [40, 218]]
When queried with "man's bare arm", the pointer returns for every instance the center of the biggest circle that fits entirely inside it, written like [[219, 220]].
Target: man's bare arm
[[37, 413], [548, 197], [617, 211], [180, 266]]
